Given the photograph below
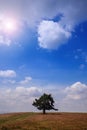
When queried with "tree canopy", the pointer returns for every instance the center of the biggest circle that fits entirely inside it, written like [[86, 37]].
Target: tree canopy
[[45, 102]]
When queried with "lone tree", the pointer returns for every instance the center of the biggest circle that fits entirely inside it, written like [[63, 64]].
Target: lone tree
[[45, 102]]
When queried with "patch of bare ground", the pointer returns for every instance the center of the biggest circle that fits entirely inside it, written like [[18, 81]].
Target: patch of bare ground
[[38, 121]]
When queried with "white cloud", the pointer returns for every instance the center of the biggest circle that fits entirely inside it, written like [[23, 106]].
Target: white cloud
[[72, 15], [18, 99], [35, 11], [77, 91], [4, 40], [31, 91], [7, 73], [69, 99], [52, 34], [74, 98], [25, 81]]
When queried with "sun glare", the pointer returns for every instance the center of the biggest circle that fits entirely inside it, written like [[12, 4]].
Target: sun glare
[[9, 26]]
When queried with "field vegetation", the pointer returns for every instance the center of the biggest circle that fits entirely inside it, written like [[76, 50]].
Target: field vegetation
[[38, 121]]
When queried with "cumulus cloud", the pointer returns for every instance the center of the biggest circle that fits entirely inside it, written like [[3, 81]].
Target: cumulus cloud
[[69, 99], [32, 91], [19, 99], [52, 34], [7, 73], [52, 38], [74, 98], [34, 12], [76, 91]]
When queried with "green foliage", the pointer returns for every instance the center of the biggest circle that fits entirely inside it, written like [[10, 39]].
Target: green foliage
[[45, 102]]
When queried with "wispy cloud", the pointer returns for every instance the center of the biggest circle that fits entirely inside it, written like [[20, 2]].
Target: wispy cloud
[[81, 58], [82, 66], [25, 81], [5, 40], [7, 73]]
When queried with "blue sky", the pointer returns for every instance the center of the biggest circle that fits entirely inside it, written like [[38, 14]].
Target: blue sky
[[43, 49]]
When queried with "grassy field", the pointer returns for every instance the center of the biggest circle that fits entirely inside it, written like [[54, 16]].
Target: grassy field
[[37, 121]]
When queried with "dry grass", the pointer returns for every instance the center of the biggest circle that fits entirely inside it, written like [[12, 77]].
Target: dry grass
[[37, 121]]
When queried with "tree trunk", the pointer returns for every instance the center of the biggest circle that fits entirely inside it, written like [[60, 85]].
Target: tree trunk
[[44, 111]]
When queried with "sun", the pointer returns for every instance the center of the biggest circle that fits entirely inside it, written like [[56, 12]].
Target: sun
[[9, 26]]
